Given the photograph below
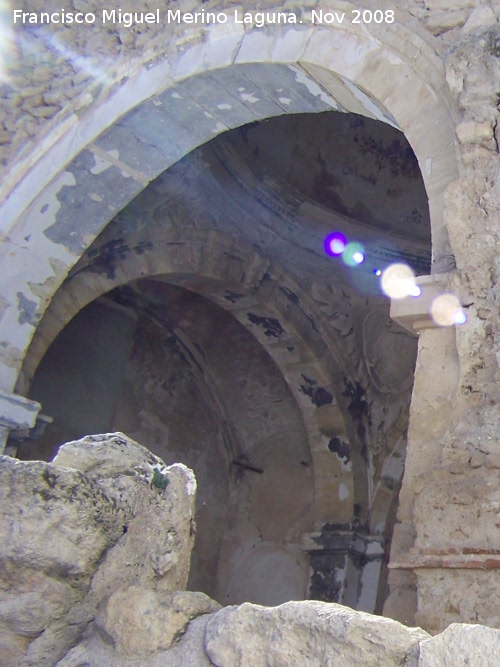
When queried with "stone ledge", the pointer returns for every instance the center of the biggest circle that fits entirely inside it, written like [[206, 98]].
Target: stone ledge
[[344, 541], [414, 313], [468, 559], [17, 412]]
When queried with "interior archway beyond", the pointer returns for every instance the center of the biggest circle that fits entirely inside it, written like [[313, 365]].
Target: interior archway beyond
[[296, 432]]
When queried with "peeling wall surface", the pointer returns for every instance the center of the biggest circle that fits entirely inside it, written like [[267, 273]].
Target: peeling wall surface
[[167, 187]]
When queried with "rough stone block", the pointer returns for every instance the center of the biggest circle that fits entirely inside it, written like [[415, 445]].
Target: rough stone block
[[141, 622], [122, 519], [187, 652], [460, 644], [308, 634]]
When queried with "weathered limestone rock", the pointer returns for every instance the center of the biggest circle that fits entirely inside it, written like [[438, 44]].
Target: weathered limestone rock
[[50, 505], [89, 558], [296, 633], [187, 652], [156, 547], [141, 622], [460, 644], [12, 648], [69, 538], [106, 455], [55, 525], [309, 634]]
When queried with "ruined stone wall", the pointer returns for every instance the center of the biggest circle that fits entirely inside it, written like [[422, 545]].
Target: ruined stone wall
[[453, 441], [446, 101]]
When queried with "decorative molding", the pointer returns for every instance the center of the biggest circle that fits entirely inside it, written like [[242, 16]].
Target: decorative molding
[[414, 313], [17, 412]]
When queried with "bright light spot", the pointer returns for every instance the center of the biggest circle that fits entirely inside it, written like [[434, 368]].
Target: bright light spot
[[353, 254], [447, 311], [398, 282], [358, 257], [377, 272], [335, 244]]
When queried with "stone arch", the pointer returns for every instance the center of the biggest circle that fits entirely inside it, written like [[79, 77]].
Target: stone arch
[[354, 71], [239, 280], [121, 147]]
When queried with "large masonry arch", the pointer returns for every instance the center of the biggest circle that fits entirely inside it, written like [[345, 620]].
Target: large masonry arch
[[214, 274], [174, 107], [143, 107]]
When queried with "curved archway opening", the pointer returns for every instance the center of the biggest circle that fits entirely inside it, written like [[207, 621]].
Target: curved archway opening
[[242, 221], [183, 377], [151, 126]]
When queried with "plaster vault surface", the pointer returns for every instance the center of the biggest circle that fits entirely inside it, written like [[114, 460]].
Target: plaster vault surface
[[167, 187]]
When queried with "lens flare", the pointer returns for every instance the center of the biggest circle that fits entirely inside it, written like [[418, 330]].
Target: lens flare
[[353, 254], [358, 257], [398, 282], [335, 244], [447, 311]]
